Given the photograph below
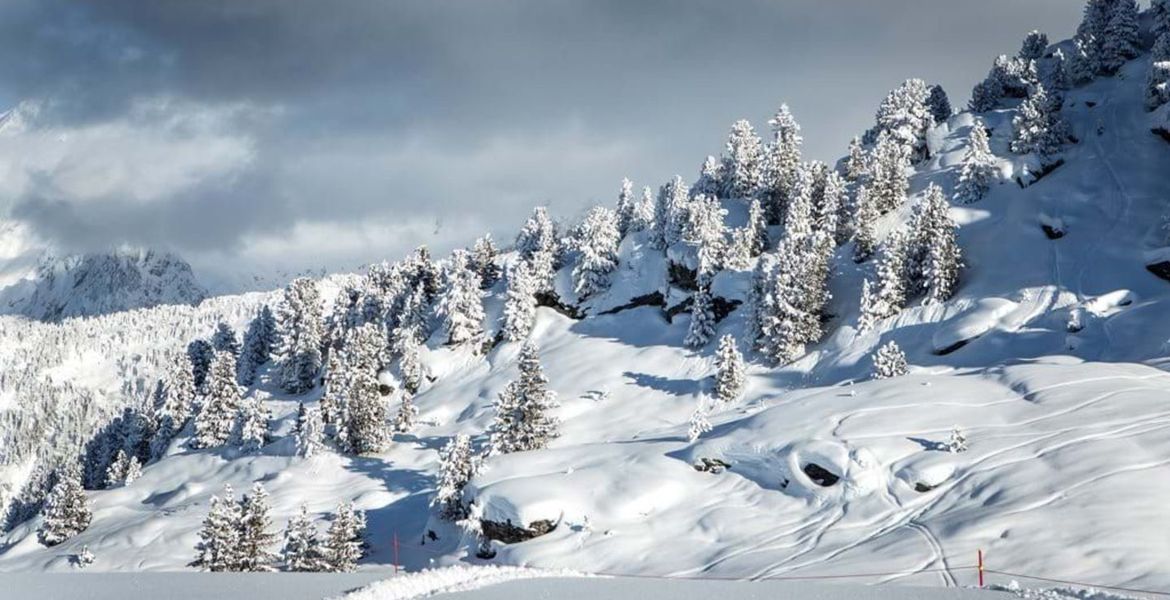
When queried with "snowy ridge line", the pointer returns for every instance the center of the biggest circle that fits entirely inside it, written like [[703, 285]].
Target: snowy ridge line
[[783, 577], [1081, 584]]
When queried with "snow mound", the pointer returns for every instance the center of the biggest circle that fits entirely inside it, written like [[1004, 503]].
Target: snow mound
[[431, 582]]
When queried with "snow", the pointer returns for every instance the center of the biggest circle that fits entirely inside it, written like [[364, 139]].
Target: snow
[[1058, 384]]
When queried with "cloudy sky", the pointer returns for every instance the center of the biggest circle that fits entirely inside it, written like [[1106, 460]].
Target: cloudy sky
[[279, 135]]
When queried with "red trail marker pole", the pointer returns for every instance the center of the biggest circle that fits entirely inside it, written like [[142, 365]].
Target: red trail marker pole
[[980, 568], [396, 558]]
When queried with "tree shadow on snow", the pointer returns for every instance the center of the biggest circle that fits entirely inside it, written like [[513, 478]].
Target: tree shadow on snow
[[404, 517], [929, 445], [673, 387]]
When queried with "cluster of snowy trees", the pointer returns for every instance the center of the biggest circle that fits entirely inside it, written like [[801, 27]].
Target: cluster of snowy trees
[[1158, 77], [238, 536]]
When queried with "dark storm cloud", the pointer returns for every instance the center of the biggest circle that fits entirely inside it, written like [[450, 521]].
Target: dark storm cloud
[[369, 110]]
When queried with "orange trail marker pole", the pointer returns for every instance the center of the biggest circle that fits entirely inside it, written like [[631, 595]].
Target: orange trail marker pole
[[980, 568], [396, 556]]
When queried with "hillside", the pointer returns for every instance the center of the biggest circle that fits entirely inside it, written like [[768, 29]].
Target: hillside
[[1048, 356]]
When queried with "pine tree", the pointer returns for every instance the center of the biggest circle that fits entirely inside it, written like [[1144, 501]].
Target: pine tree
[[483, 261], [985, 96], [537, 235], [200, 353], [905, 116], [942, 260], [116, 474], [1158, 78], [457, 465], [889, 362], [133, 471], [1037, 128], [864, 224], [299, 328], [218, 547], [178, 400], [710, 182], [1034, 46], [257, 348], [957, 442], [407, 414], [366, 428], [460, 304], [250, 431], [302, 549], [84, 558], [743, 162], [598, 241], [410, 366], [254, 541], [757, 227], [215, 422], [522, 411], [890, 296], [1081, 65], [1119, 41], [705, 231], [1057, 78], [939, 104], [698, 423], [857, 164], [343, 542], [225, 340], [979, 166], [829, 211], [888, 179], [66, 510], [1159, 18], [782, 159], [871, 310], [729, 370], [309, 431], [1096, 18], [798, 222], [627, 208], [643, 218], [702, 325], [519, 302]]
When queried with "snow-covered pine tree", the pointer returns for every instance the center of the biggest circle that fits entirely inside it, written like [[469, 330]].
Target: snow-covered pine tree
[[888, 178], [116, 474], [483, 260], [300, 332], [216, 419], [410, 365], [871, 310], [309, 432], [1056, 77], [737, 254], [782, 159], [729, 370], [757, 229], [200, 353], [225, 339], [1080, 64], [84, 558], [957, 442], [864, 224], [343, 541], [670, 213], [698, 424], [133, 471], [702, 325], [1095, 19], [940, 254], [1159, 12], [939, 104], [834, 196], [743, 162], [798, 220], [178, 402], [857, 164], [250, 432], [710, 182], [787, 313], [460, 304], [1120, 42], [523, 419], [457, 465], [407, 414], [218, 547], [705, 231], [979, 166], [627, 207], [366, 425], [905, 116], [985, 96], [1034, 45], [519, 302], [889, 361], [1158, 77], [302, 549], [890, 296], [259, 340], [643, 219], [597, 242], [254, 541], [66, 510], [1037, 128]]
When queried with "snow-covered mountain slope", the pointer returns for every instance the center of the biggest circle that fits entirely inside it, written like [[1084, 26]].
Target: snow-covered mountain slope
[[100, 283], [1049, 357]]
